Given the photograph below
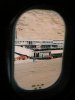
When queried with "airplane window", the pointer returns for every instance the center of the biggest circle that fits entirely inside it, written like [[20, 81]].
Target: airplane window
[[38, 57]]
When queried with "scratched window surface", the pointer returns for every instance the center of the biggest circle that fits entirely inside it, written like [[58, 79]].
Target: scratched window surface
[[38, 53]]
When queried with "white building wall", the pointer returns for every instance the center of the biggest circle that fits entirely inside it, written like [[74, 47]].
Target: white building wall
[[24, 51]]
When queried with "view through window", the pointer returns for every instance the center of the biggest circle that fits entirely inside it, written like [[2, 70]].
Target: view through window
[[39, 43]]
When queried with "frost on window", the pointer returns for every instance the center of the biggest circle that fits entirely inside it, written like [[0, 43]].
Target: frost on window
[[39, 43]]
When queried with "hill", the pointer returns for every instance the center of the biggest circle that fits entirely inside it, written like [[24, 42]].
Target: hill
[[40, 25]]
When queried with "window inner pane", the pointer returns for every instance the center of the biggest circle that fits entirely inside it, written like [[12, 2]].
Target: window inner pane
[[39, 44]]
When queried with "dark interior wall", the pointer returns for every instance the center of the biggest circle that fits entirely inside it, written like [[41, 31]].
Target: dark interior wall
[[8, 10]]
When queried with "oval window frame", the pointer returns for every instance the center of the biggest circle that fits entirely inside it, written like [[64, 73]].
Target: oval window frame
[[53, 88]]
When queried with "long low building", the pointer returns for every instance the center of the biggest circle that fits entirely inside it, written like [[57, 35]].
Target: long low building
[[39, 49], [24, 52], [46, 44]]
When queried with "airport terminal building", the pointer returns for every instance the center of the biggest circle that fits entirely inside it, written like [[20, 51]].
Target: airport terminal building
[[40, 49], [46, 44]]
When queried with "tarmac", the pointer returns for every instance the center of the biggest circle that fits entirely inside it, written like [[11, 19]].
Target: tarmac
[[39, 74]]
